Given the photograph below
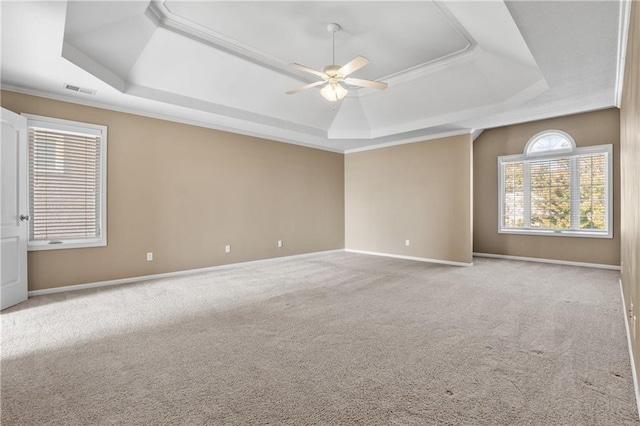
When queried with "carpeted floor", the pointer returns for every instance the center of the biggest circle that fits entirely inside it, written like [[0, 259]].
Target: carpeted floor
[[334, 338]]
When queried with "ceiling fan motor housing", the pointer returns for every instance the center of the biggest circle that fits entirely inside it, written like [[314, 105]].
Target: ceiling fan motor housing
[[332, 71]]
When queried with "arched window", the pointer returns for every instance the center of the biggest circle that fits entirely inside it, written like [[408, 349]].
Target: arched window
[[550, 142], [556, 188]]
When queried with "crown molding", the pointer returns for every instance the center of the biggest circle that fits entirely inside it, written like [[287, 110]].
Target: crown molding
[[159, 14], [561, 108], [467, 54], [475, 133], [318, 143], [169, 117], [243, 117], [471, 50], [162, 16], [409, 141]]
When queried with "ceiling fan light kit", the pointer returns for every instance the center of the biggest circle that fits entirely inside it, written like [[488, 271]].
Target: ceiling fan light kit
[[333, 92], [333, 76]]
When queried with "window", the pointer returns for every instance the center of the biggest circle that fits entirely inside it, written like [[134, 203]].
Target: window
[[67, 184], [555, 188]]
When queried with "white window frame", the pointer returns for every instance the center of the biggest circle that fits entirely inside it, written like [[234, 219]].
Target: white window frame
[[573, 154], [75, 127]]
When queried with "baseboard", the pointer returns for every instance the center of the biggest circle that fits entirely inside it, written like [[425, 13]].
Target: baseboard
[[419, 259], [631, 358], [169, 274], [554, 261]]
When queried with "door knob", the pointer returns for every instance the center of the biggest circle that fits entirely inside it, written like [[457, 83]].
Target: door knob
[[24, 217]]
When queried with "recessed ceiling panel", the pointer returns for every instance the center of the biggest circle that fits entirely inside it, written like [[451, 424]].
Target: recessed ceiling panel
[[394, 36]]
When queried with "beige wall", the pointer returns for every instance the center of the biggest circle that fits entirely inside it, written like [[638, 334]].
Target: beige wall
[[594, 128], [420, 192], [184, 192], [630, 155]]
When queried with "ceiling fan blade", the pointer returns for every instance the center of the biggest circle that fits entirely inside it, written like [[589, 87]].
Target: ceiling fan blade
[[354, 65], [366, 83], [310, 71], [305, 87]]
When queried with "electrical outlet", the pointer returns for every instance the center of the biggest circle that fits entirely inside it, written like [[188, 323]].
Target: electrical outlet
[[227, 249], [149, 256], [407, 243], [279, 243]]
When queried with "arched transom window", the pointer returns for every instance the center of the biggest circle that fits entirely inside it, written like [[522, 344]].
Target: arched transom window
[[550, 142], [556, 188]]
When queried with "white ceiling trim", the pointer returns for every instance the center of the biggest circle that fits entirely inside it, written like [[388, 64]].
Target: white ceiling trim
[[422, 69], [412, 140], [164, 18], [428, 122], [467, 54], [475, 133], [248, 118], [168, 20], [261, 134], [623, 37], [535, 113]]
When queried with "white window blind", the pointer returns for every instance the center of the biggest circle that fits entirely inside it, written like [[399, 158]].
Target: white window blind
[[565, 193], [66, 184], [593, 191], [551, 193]]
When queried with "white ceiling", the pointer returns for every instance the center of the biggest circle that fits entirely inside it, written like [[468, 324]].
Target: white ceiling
[[452, 67]]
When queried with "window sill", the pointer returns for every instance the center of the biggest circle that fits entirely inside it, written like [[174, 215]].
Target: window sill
[[550, 233], [70, 244]]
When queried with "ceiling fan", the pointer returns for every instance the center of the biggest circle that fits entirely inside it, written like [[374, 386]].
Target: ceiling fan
[[334, 77]]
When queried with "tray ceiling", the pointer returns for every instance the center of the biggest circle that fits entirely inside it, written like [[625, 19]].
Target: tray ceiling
[[452, 67]]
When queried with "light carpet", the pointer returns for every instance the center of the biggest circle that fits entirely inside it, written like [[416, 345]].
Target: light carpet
[[335, 338]]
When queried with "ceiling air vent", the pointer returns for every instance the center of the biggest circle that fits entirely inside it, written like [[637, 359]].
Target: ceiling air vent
[[80, 89]]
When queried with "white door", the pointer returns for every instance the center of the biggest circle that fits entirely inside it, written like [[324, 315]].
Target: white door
[[14, 212]]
